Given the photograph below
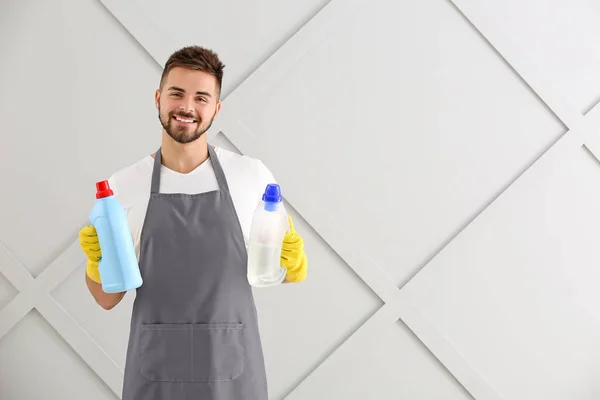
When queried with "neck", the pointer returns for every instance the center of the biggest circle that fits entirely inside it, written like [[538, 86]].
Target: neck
[[183, 158]]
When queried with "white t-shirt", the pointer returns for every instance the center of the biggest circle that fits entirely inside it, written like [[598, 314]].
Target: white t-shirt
[[246, 177]]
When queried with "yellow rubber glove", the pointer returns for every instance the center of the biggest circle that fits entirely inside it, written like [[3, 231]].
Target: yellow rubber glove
[[293, 257], [88, 239]]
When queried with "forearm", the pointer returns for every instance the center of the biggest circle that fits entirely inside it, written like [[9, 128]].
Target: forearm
[[104, 300]]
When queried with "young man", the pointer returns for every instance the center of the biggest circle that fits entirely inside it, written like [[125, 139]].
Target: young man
[[194, 332]]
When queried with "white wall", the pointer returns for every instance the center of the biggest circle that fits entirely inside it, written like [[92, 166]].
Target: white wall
[[437, 156]]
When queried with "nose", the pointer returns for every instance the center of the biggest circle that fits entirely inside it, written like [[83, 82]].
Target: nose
[[187, 105]]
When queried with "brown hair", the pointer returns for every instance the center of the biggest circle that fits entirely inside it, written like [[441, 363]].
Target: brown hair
[[196, 58]]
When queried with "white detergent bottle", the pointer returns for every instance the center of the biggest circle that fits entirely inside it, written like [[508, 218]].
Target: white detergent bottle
[[269, 225]]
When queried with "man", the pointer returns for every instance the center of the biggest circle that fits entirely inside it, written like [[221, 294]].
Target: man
[[194, 331]]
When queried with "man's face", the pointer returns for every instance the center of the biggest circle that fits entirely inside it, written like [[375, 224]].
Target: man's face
[[187, 104]]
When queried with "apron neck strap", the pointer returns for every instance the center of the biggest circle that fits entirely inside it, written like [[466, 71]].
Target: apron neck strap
[[156, 172], [220, 175]]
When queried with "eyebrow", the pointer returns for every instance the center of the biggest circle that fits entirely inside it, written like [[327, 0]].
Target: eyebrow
[[178, 89]]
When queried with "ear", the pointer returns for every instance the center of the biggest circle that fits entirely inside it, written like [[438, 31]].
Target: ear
[[156, 98], [218, 109]]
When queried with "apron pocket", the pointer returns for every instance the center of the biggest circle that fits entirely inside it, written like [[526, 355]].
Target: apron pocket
[[192, 352], [218, 353], [166, 354]]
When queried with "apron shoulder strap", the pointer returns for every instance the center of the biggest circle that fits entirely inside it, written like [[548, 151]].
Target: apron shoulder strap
[[220, 175], [155, 186]]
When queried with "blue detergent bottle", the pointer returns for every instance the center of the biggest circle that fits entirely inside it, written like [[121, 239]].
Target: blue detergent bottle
[[118, 267]]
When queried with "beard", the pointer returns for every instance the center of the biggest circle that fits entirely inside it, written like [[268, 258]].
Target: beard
[[184, 134]]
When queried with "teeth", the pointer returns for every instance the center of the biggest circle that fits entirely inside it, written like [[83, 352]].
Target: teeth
[[184, 120]]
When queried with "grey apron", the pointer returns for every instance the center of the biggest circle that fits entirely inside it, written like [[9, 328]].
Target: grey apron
[[194, 331]]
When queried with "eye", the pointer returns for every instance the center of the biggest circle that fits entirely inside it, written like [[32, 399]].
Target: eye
[[201, 99], [176, 94]]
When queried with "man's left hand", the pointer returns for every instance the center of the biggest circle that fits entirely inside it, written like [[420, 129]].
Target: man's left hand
[[293, 257]]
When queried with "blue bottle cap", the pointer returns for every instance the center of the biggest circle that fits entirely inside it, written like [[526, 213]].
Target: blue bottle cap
[[272, 193]]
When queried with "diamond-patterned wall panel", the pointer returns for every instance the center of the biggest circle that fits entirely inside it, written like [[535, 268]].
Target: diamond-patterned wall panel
[[379, 371], [516, 293], [244, 33], [109, 329], [98, 92], [7, 264], [36, 363], [402, 148], [7, 292], [559, 38]]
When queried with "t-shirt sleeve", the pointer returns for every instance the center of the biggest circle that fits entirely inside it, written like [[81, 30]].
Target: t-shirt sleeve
[[112, 182], [265, 176]]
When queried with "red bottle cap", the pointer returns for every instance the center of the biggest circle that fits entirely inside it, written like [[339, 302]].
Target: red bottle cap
[[103, 189]]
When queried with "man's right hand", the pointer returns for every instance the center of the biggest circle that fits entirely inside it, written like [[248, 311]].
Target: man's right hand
[[88, 239]]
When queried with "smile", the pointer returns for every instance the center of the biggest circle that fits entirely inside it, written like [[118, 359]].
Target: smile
[[184, 120]]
